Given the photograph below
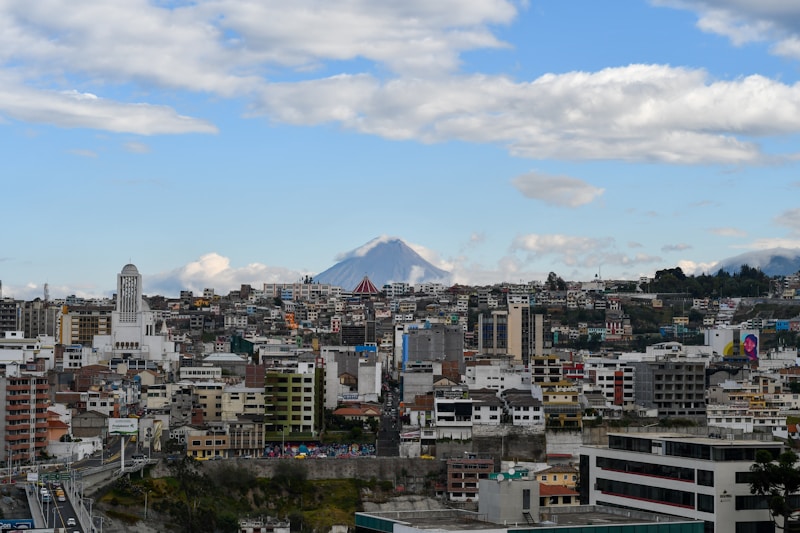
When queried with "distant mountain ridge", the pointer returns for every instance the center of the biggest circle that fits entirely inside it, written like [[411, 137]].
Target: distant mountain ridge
[[772, 262], [383, 260]]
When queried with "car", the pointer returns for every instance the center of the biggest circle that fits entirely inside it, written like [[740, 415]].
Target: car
[[71, 521]]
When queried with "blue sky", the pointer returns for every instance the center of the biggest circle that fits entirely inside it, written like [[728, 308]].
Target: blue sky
[[215, 143]]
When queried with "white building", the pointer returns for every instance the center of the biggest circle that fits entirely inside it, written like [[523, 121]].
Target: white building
[[677, 474], [453, 418], [497, 375], [133, 327], [202, 373], [746, 417]]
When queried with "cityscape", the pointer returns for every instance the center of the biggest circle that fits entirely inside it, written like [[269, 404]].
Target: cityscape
[[570, 394], [463, 266]]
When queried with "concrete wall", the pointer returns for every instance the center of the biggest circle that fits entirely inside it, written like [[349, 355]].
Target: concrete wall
[[517, 444], [380, 468]]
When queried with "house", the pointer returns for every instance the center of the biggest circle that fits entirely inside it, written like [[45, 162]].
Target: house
[[364, 413]]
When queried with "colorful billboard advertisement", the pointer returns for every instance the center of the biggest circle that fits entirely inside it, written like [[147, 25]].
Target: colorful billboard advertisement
[[123, 426]]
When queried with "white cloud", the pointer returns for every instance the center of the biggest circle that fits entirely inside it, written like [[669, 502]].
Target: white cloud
[[214, 270], [769, 242], [557, 190], [692, 268], [729, 232], [637, 113], [77, 110], [364, 249], [558, 244], [789, 219], [675, 247], [136, 147], [575, 251], [414, 36], [248, 49], [747, 21]]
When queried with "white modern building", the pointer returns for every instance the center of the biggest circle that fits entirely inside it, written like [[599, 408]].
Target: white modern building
[[682, 475]]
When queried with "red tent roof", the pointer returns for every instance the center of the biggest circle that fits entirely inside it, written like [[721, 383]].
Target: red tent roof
[[366, 287]]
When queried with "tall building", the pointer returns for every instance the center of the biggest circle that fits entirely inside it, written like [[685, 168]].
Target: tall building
[[9, 314], [293, 400], [520, 332], [39, 318], [23, 429], [493, 333]]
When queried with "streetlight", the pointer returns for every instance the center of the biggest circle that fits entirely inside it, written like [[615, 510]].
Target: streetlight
[[91, 501], [283, 440]]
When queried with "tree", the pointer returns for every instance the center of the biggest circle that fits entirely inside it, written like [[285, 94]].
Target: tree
[[778, 481]]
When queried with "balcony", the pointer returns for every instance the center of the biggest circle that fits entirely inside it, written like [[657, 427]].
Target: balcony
[[14, 418], [18, 397]]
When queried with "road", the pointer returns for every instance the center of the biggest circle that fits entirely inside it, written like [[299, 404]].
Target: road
[[58, 514], [388, 444]]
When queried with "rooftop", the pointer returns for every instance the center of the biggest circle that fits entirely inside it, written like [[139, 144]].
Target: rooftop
[[460, 520]]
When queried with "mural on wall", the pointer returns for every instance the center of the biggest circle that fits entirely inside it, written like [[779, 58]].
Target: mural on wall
[[750, 346], [734, 343]]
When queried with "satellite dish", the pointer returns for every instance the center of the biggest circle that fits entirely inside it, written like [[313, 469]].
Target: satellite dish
[[500, 477], [511, 471], [511, 464]]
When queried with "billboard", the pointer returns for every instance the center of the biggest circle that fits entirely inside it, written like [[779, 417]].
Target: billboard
[[123, 426]]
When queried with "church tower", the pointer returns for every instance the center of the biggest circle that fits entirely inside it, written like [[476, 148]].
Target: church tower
[[129, 294]]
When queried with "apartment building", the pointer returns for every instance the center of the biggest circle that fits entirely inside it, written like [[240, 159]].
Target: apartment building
[[676, 387], [464, 475], [293, 400], [79, 324], [23, 429], [614, 378]]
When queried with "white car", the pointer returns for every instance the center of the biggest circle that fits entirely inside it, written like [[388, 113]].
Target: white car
[[71, 521]]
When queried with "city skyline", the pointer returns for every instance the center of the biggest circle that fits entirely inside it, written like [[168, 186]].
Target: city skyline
[[218, 143]]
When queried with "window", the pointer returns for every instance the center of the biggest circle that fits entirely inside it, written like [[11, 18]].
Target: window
[[705, 478], [705, 503]]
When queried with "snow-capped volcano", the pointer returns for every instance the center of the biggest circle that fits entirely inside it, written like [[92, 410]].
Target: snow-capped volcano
[[383, 260]]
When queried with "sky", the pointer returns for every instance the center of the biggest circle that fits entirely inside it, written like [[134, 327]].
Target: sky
[[221, 142]]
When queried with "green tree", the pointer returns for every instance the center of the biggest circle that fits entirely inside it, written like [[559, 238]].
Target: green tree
[[193, 485], [777, 480]]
